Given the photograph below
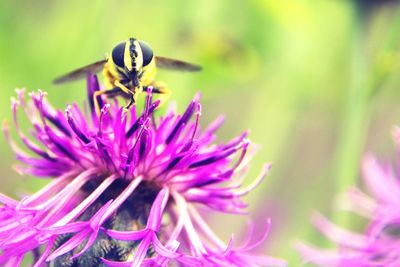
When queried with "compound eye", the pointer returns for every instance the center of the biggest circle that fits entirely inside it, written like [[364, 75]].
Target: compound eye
[[118, 54], [146, 52]]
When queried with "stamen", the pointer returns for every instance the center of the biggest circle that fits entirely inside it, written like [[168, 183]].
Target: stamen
[[185, 118], [30, 145], [246, 144], [50, 189], [57, 202], [103, 113], [56, 120], [256, 181], [132, 150], [143, 143], [147, 105], [136, 125], [249, 246], [195, 241], [223, 155], [72, 215], [45, 253], [197, 122], [72, 124], [206, 229], [62, 146], [120, 199]]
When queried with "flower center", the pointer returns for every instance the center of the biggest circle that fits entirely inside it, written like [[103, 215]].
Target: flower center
[[131, 215]]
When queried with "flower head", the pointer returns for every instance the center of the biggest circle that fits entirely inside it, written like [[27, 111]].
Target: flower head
[[379, 243], [125, 188]]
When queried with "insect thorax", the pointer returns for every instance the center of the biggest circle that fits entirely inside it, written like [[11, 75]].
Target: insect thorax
[[112, 73]]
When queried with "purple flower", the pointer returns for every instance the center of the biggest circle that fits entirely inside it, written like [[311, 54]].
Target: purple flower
[[126, 188], [379, 243]]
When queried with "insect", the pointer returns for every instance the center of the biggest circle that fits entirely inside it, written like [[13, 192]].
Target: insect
[[129, 70]]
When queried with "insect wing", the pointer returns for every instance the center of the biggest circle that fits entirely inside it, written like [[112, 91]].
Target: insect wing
[[81, 72], [174, 64]]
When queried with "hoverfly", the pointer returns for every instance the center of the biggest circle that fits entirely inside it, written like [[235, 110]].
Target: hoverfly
[[130, 69]]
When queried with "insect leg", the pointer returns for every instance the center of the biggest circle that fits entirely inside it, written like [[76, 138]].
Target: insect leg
[[132, 101], [165, 93], [162, 89], [108, 92], [96, 102], [132, 95]]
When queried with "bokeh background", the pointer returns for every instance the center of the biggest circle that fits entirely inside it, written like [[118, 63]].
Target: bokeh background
[[316, 82]]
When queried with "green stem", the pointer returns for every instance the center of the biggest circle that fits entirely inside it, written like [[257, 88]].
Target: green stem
[[368, 77], [352, 134], [355, 125]]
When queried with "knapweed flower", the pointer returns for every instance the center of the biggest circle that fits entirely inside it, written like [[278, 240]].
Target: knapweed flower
[[379, 243], [126, 188]]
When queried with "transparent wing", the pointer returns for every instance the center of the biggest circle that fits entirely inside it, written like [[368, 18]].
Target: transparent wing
[[174, 64], [81, 72]]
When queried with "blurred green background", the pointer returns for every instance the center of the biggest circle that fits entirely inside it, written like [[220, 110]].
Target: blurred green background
[[316, 82]]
